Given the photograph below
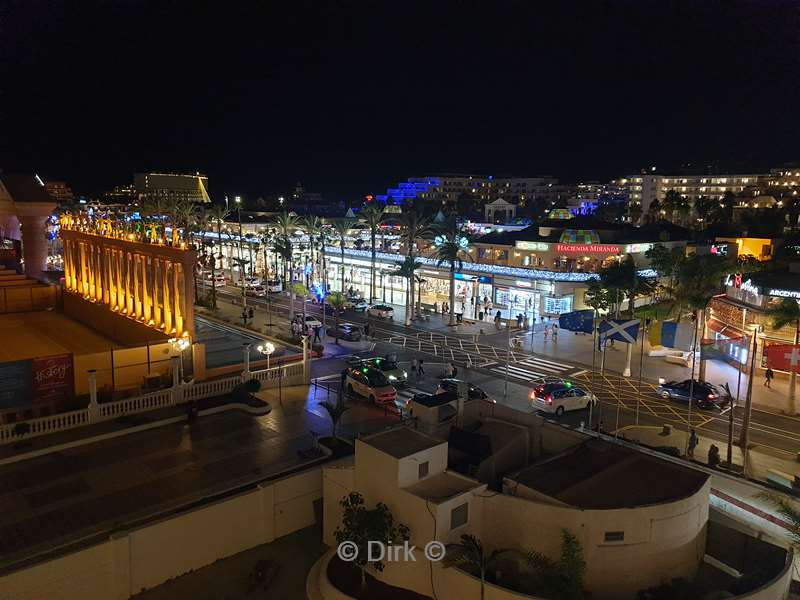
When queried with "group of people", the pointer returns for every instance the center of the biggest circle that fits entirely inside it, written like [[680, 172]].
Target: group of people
[[299, 328]]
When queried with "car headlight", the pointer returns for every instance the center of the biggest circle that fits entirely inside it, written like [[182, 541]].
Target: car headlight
[[392, 377], [405, 373]]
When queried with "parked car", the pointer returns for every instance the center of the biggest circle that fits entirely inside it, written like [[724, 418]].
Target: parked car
[[358, 304], [219, 278], [387, 366], [252, 282], [473, 391], [560, 397], [370, 383], [381, 311], [274, 286], [346, 331], [704, 395], [258, 290], [310, 320]]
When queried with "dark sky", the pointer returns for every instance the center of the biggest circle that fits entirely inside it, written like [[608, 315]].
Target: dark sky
[[350, 97]]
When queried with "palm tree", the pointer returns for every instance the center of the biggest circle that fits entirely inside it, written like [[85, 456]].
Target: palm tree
[[287, 223], [341, 227], [337, 300], [415, 226], [788, 513], [373, 218], [704, 207], [407, 270], [335, 411], [217, 213], [787, 312], [282, 246], [676, 205], [469, 552], [312, 225], [451, 248]]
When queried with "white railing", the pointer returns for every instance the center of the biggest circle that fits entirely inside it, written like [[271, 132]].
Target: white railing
[[290, 374], [138, 404], [34, 427]]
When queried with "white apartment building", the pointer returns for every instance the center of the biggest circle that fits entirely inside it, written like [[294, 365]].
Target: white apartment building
[[646, 188]]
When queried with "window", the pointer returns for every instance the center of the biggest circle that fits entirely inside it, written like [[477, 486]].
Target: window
[[423, 469], [615, 536], [459, 516]]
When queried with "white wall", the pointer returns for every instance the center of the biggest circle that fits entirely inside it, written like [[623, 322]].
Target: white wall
[[148, 556]]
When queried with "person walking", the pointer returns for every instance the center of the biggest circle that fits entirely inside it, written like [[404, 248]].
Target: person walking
[[546, 332], [555, 332], [693, 440], [316, 335], [497, 320], [768, 377], [713, 456], [414, 367], [421, 368], [366, 330]]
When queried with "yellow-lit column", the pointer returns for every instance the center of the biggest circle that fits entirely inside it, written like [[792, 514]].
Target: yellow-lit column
[[128, 267], [137, 286], [165, 290], [100, 277], [84, 291], [90, 268], [178, 296], [158, 310], [121, 298], [112, 282], [107, 275], [67, 264], [147, 282]]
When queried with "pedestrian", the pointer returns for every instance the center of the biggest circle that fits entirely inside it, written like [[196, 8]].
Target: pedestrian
[[497, 320], [316, 335], [768, 378], [546, 332], [713, 456], [693, 439], [366, 330], [343, 380], [421, 368], [414, 367], [436, 308], [519, 320], [555, 332]]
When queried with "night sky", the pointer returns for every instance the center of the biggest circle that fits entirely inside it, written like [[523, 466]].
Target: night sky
[[351, 97]]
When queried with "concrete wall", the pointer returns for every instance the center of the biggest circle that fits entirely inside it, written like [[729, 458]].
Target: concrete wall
[[661, 541], [27, 298], [131, 561]]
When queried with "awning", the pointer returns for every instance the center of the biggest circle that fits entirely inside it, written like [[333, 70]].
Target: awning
[[729, 331]]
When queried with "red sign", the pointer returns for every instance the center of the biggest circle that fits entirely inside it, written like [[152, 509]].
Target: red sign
[[784, 357], [588, 248], [52, 378]]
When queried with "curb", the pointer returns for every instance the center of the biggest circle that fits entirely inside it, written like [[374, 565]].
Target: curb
[[751, 509]]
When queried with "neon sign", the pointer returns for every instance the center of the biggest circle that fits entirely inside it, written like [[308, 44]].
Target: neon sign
[[784, 293], [588, 248]]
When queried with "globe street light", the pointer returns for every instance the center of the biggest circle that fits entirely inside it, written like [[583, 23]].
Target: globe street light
[[179, 345], [266, 349]]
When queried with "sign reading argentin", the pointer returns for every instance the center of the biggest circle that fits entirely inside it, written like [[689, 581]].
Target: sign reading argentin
[[588, 248]]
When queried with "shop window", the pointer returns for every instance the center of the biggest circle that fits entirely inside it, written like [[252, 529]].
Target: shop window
[[614, 536], [459, 516]]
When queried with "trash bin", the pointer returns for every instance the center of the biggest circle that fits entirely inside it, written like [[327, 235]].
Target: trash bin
[[480, 316]]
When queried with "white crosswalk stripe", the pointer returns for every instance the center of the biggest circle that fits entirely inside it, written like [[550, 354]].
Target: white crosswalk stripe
[[540, 363], [518, 373], [531, 368]]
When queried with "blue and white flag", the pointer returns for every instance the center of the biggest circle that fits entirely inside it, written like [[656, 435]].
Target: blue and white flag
[[619, 329], [580, 320]]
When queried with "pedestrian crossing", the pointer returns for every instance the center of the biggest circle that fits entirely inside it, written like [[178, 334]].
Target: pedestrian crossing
[[532, 368]]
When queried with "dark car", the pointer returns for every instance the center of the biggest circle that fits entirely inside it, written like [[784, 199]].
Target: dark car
[[346, 331], [473, 391], [387, 365], [704, 395]]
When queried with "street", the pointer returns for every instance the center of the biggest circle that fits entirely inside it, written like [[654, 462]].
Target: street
[[481, 359]]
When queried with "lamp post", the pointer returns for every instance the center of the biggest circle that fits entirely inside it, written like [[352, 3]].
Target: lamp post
[[179, 345], [266, 349]]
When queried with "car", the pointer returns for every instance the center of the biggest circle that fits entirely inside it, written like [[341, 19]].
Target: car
[[381, 311], [346, 331], [560, 397], [705, 395], [252, 282], [310, 320], [473, 391], [387, 366], [218, 278], [274, 286], [258, 291], [358, 304], [370, 383]]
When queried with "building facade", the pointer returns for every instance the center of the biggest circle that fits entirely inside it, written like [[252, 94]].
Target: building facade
[[171, 187]]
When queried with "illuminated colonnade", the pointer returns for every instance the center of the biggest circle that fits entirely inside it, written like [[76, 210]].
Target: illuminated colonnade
[[149, 283]]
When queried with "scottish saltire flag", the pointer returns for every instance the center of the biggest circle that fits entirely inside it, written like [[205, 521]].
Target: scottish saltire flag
[[671, 334], [619, 329], [580, 320]]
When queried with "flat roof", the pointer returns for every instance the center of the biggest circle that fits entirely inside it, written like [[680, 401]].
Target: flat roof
[[401, 442], [442, 486], [601, 475]]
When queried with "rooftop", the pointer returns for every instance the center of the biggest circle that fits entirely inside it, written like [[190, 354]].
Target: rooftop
[[401, 442], [25, 187], [442, 486], [600, 475]]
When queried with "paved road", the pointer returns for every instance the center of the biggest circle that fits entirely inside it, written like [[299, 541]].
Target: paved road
[[622, 399]]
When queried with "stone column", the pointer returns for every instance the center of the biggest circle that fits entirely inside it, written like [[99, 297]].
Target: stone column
[[34, 245], [246, 361], [179, 297], [84, 279], [158, 308], [187, 293], [146, 297], [165, 290]]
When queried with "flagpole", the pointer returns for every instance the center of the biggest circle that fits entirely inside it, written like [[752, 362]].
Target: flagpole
[[748, 405], [594, 352], [641, 367], [738, 387], [691, 387]]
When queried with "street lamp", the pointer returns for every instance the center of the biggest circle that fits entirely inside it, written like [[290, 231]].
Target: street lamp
[[179, 345], [238, 200], [266, 349]]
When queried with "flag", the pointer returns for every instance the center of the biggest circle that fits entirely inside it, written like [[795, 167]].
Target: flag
[[671, 334], [620, 329], [784, 357], [580, 320]]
